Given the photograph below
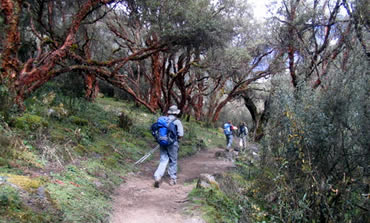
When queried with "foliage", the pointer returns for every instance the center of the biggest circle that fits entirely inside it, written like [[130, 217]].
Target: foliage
[[319, 141], [5, 105], [23, 181], [13, 209], [30, 122], [313, 164], [9, 197], [222, 204], [125, 122], [197, 24], [78, 121]]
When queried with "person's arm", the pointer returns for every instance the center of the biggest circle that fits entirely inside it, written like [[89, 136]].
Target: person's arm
[[180, 129]]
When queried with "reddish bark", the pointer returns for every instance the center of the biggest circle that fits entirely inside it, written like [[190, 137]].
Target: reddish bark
[[155, 90], [195, 97], [332, 55], [91, 87], [216, 113], [9, 62], [291, 47], [183, 66], [291, 66], [132, 40], [317, 83], [128, 83], [91, 83], [108, 76], [31, 79], [198, 108]]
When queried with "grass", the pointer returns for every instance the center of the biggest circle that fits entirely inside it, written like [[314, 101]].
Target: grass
[[236, 198], [82, 154]]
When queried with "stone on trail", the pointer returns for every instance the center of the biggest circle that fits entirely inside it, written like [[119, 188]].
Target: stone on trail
[[206, 181]]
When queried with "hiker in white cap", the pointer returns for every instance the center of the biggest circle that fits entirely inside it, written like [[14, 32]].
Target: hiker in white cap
[[168, 154]]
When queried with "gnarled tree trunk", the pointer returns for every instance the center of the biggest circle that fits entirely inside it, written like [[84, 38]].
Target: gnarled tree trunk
[[9, 62], [155, 90], [91, 87]]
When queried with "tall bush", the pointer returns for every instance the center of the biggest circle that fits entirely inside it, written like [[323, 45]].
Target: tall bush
[[318, 144]]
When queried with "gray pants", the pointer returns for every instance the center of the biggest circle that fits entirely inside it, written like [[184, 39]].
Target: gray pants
[[244, 142], [168, 155], [229, 141]]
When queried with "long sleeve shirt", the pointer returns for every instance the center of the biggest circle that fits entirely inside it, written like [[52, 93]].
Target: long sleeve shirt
[[177, 122]]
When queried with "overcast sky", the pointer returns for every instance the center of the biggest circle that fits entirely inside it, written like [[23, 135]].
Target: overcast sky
[[259, 7]]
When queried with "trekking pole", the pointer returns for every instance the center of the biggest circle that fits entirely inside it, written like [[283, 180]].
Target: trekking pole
[[142, 159]]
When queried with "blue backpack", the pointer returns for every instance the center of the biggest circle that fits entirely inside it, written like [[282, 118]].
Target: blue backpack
[[164, 131], [227, 129]]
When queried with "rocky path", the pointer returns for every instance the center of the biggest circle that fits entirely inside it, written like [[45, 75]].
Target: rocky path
[[137, 201]]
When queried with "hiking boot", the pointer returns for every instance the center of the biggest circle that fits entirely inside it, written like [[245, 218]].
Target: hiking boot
[[172, 182], [157, 182]]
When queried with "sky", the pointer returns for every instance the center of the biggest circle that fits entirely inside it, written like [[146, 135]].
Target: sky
[[259, 7]]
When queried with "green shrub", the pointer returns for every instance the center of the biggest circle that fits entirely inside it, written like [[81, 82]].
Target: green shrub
[[3, 161], [218, 206], [317, 144], [80, 149], [9, 198], [125, 122], [110, 162], [12, 208], [78, 121], [30, 122]]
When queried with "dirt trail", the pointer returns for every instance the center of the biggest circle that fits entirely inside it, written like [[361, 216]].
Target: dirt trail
[[137, 201]]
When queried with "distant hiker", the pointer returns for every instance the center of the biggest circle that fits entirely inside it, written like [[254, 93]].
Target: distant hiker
[[228, 131], [168, 135], [243, 134]]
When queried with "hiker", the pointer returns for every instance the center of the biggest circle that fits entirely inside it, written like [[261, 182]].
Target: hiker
[[228, 131], [243, 134], [168, 154]]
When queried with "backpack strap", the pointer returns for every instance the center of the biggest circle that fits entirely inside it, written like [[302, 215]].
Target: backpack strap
[[172, 121], [174, 124], [175, 128]]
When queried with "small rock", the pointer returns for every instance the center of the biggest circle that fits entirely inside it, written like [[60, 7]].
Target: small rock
[[98, 184], [51, 112], [206, 181], [49, 98], [2, 179], [41, 192], [271, 197], [220, 154]]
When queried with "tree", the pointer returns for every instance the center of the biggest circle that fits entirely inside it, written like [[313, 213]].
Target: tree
[[23, 77], [252, 97], [182, 30], [315, 137], [312, 35]]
